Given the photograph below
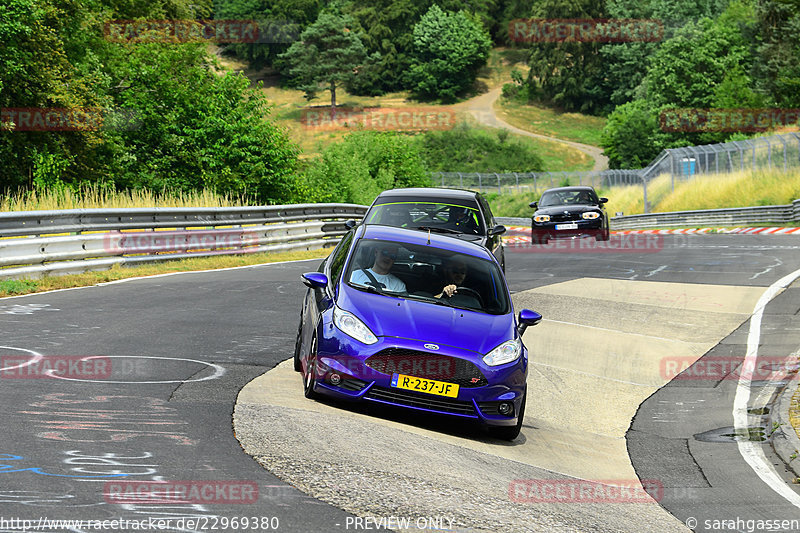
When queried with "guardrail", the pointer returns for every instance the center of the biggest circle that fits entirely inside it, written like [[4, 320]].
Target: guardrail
[[734, 216], [37, 243]]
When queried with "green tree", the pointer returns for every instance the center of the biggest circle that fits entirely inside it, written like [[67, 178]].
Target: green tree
[[327, 56], [686, 69], [364, 164], [629, 137], [624, 62], [281, 20], [449, 48], [567, 74], [777, 71], [196, 127], [200, 129]]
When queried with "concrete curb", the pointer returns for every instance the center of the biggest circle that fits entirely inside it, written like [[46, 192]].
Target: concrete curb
[[522, 233], [786, 438]]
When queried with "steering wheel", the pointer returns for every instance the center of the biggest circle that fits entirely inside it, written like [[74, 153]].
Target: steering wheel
[[469, 292]]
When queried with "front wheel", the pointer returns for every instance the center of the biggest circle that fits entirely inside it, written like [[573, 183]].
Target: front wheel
[[298, 365], [604, 234], [510, 432], [311, 369]]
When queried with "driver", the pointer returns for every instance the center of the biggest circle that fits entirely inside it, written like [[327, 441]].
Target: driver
[[455, 272]]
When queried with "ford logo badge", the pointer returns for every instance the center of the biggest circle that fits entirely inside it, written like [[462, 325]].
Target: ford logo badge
[[432, 346]]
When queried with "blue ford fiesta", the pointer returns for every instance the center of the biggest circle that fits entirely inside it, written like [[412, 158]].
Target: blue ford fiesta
[[415, 320]]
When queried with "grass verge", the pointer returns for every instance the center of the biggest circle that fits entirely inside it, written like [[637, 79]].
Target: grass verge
[[49, 283], [535, 119]]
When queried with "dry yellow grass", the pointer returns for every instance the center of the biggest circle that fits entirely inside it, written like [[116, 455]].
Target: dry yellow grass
[[93, 196], [738, 189]]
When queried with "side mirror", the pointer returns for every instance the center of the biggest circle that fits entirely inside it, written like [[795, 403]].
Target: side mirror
[[527, 318], [603, 200], [350, 224], [534, 205], [315, 280], [497, 230]]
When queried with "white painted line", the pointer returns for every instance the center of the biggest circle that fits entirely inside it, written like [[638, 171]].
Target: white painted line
[[752, 452], [36, 357], [219, 371]]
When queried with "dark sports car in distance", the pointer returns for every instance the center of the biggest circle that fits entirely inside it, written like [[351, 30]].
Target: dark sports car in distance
[[457, 212], [383, 322], [569, 212]]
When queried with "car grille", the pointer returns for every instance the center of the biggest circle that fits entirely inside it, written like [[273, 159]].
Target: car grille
[[427, 365], [560, 217], [411, 399]]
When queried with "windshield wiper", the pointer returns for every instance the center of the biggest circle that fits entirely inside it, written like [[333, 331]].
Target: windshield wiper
[[365, 288], [438, 229]]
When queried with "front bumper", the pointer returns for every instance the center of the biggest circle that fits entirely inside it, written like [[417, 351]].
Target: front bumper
[[585, 228], [358, 381]]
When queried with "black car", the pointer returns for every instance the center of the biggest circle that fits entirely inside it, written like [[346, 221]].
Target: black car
[[569, 212], [461, 213]]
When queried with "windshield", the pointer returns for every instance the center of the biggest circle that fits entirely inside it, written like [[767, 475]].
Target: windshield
[[436, 216], [432, 275], [568, 197]]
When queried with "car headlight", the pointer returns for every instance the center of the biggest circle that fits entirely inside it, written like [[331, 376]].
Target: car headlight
[[541, 218], [349, 324], [590, 215], [505, 353]]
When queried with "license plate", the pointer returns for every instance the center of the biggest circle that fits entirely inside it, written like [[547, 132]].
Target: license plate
[[571, 225], [428, 386]]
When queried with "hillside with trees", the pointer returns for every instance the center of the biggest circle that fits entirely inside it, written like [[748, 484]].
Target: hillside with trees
[[193, 124]]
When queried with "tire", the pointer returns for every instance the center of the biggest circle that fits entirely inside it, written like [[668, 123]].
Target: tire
[[604, 234], [510, 432], [308, 377], [298, 366], [539, 240]]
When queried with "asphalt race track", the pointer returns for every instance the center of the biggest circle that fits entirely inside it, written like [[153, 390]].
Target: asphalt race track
[[158, 365]]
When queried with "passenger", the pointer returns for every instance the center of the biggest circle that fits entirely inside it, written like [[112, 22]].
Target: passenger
[[378, 274]]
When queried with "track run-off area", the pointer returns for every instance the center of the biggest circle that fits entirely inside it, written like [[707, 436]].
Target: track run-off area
[[635, 377]]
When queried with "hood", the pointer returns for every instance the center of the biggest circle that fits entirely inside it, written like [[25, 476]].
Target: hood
[[388, 316]]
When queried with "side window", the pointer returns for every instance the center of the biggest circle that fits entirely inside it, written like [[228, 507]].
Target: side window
[[338, 257], [487, 211]]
